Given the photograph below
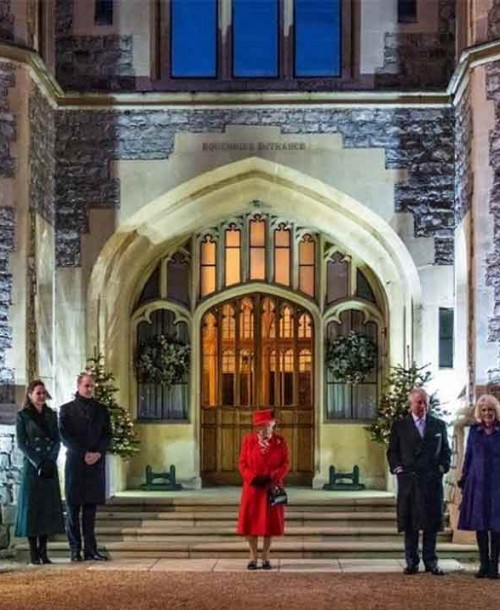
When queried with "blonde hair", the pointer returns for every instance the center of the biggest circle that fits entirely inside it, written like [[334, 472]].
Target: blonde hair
[[489, 400]]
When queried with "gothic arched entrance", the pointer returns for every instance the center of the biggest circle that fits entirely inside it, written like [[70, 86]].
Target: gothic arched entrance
[[257, 352]]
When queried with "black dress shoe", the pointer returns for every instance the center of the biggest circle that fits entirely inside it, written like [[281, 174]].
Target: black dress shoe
[[76, 556], [435, 570], [411, 570], [95, 556], [45, 560], [252, 565]]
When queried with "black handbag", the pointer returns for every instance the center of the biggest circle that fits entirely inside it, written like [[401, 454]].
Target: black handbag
[[277, 495]]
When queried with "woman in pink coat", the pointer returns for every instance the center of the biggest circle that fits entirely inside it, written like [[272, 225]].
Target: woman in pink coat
[[263, 463]]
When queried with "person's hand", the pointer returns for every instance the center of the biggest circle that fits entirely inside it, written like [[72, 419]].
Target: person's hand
[[46, 470], [91, 457], [260, 481], [398, 470]]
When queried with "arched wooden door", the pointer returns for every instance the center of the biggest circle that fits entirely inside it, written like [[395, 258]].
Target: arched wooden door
[[257, 352]]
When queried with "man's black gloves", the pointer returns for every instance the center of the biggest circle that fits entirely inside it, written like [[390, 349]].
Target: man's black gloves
[[260, 481], [47, 470]]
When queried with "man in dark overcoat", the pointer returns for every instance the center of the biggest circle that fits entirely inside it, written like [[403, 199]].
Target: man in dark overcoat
[[419, 454], [86, 431]]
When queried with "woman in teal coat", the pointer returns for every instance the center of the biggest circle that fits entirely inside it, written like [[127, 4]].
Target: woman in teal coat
[[39, 510]]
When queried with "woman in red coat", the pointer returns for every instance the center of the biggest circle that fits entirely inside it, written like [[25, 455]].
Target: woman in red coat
[[263, 462]]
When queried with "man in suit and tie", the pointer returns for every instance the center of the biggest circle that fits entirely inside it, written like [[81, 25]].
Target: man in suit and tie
[[419, 454]]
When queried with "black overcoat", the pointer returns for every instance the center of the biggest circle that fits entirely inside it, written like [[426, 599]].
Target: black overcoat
[[39, 509], [420, 484], [85, 427]]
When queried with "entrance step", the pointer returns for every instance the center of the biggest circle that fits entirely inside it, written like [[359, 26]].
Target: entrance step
[[221, 518], [239, 549], [203, 524]]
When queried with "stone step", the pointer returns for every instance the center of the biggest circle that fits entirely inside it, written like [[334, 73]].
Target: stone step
[[291, 530], [281, 548], [183, 506], [209, 519]]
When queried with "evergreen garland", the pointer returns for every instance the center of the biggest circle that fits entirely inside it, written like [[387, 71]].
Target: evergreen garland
[[394, 402], [124, 441]]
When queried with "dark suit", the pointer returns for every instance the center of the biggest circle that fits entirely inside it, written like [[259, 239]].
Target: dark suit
[[420, 483], [85, 427]]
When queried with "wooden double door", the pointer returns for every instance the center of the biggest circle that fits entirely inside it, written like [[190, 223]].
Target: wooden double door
[[257, 352]]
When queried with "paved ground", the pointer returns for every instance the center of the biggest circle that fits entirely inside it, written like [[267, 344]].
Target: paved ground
[[149, 587], [339, 566]]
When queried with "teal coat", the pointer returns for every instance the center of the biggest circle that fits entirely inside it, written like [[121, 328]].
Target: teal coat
[[39, 508]]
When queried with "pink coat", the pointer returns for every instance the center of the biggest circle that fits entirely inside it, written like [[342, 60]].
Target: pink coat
[[256, 516]]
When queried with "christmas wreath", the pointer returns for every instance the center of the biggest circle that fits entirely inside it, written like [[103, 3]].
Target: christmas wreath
[[162, 360], [351, 357]]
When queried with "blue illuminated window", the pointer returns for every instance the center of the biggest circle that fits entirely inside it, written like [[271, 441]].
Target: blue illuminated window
[[255, 38], [317, 38], [194, 38]]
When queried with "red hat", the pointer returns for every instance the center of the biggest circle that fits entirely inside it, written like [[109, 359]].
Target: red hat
[[264, 416]]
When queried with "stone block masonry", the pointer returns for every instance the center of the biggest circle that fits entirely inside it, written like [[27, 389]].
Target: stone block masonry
[[7, 230], [463, 156], [420, 140], [7, 238], [6, 21], [405, 54], [493, 260], [42, 154]]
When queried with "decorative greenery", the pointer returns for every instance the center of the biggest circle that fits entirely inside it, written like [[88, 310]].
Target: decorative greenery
[[394, 402], [124, 441], [163, 360], [351, 357]]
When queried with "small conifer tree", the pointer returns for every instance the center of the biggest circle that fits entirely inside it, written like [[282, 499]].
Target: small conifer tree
[[394, 402], [124, 441]]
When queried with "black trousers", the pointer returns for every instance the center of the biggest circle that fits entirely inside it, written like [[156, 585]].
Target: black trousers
[[74, 527], [428, 548]]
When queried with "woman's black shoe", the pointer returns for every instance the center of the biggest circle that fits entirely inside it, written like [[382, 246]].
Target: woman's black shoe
[[266, 565], [252, 565]]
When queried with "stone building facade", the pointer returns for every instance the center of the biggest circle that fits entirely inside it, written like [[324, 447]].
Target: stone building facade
[[110, 166]]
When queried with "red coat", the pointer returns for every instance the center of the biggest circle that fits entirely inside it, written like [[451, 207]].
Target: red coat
[[257, 517]]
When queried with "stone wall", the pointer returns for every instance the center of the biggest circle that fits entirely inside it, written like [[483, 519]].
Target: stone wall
[[42, 154], [91, 63], [493, 260], [463, 153], [418, 140], [6, 21], [494, 21], [7, 229], [406, 54]]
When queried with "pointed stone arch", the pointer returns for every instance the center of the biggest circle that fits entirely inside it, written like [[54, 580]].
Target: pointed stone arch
[[249, 185]]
